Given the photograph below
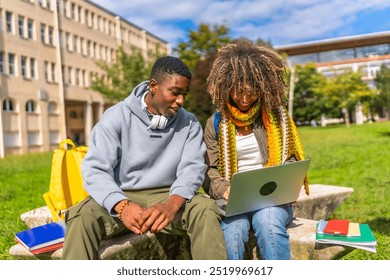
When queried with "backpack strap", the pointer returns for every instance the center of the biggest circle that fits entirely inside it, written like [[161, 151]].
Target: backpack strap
[[217, 118]]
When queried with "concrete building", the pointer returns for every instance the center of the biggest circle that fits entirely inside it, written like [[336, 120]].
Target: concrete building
[[363, 53], [48, 54]]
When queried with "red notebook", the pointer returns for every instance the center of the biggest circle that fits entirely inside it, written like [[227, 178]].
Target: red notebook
[[337, 227], [49, 248]]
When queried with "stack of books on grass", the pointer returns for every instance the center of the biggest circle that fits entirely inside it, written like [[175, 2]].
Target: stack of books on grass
[[42, 239], [343, 232]]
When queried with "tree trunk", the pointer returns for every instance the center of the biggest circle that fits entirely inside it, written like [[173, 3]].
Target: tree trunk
[[346, 117]]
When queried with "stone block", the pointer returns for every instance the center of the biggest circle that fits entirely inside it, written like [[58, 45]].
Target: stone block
[[37, 217], [322, 201]]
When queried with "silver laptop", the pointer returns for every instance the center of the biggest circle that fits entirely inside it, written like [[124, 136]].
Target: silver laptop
[[256, 189]]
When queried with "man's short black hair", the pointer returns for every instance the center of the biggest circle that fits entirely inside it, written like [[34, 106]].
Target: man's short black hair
[[167, 66]]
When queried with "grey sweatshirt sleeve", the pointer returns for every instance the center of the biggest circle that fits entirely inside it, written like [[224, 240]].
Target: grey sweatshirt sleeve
[[99, 163], [192, 168]]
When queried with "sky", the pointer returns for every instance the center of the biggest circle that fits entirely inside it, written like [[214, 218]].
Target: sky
[[280, 22]]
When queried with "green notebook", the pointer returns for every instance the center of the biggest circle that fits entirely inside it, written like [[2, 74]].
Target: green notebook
[[365, 241]]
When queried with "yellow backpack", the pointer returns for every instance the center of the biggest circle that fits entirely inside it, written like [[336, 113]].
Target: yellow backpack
[[66, 183]]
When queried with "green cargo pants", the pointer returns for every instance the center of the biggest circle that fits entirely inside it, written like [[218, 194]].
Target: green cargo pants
[[88, 223]]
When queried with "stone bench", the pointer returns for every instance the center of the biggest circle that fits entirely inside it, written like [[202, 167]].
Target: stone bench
[[322, 201], [319, 205]]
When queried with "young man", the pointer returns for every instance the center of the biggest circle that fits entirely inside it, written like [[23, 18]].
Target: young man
[[143, 169]]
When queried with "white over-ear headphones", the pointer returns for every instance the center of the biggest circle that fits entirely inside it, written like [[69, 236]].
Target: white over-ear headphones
[[158, 122]]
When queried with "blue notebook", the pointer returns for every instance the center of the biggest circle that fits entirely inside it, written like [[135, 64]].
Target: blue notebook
[[41, 236]]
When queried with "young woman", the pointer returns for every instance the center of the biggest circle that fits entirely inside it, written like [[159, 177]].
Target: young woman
[[250, 129]]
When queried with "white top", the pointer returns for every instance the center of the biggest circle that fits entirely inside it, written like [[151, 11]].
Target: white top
[[248, 153]]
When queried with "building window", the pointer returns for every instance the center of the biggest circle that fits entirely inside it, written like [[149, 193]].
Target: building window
[[370, 51], [93, 20], [21, 26], [60, 34], [67, 40], [77, 77], [32, 68], [33, 138], [52, 108], [11, 139], [80, 12], [83, 78], [8, 22], [54, 137], [70, 72], [46, 66], [75, 39], [43, 33], [51, 36], [23, 66], [63, 74], [1, 63], [11, 64], [87, 18], [58, 6], [65, 8], [73, 114], [53, 72], [8, 105], [73, 11], [30, 106], [30, 28], [82, 44], [98, 23]]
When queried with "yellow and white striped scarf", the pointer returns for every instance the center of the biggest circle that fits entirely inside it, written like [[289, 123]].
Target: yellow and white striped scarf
[[283, 141]]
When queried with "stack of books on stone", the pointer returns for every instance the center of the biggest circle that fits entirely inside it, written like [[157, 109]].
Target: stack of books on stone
[[345, 233], [42, 239]]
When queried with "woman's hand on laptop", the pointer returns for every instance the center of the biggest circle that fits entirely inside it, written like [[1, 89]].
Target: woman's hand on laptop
[[226, 193]]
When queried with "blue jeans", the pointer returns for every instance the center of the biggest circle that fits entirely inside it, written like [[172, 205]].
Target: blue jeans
[[269, 225]]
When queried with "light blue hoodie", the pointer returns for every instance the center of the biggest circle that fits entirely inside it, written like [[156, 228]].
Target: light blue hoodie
[[125, 155]]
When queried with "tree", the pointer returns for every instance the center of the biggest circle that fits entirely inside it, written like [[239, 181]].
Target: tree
[[342, 92], [202, 42], [260, 41], [198, 52], [199, 101], [382, 82], [307, 98], [122, 76]]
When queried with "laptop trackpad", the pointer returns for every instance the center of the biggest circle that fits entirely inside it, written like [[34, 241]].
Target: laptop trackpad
[[268, 188]]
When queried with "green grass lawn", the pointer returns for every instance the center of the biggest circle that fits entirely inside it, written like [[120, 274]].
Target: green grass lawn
[[23, 181], [356, 157]]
